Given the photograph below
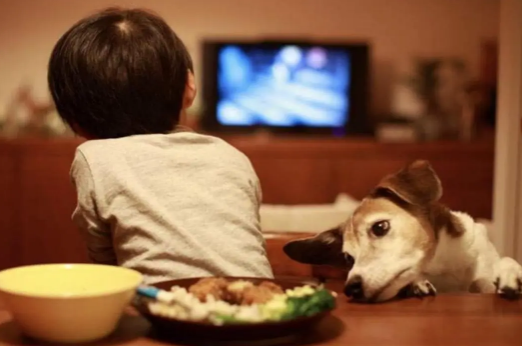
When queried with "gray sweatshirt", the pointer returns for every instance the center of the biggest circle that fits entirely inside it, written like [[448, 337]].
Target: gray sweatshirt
[[170, 206]]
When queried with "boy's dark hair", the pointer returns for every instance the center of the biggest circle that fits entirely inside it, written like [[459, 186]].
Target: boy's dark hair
[[118, 73]]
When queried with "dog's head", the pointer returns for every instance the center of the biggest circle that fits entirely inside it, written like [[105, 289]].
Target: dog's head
[[389, 237]]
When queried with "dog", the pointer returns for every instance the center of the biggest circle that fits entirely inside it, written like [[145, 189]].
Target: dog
[[401, 241]]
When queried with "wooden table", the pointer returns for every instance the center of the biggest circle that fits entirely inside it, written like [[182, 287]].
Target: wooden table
[[463, 320]]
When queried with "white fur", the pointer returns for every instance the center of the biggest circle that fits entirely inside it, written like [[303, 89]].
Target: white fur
[[464, 263], [461, 262]]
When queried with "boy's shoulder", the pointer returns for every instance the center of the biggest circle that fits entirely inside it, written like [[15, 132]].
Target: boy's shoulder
[[177, 143]]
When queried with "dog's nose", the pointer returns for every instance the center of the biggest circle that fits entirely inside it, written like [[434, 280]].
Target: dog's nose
[[354, 288]]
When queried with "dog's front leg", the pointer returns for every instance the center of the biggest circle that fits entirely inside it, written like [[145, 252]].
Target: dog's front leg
[[508, 278], [419, 289]]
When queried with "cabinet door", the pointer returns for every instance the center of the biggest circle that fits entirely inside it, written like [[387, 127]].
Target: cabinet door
[[9, 251], [47, 200], [295, 180], [357, 175], [465, 172]]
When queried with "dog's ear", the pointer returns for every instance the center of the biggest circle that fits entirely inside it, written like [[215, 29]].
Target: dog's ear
[[326, 248], [416, 184]]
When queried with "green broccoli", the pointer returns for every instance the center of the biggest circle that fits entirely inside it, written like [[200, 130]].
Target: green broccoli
[[319, 301]]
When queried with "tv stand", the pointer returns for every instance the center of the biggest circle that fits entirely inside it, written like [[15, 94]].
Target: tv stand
[[311, 170]]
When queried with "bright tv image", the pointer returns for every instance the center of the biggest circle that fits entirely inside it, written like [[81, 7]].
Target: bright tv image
[[283, 86]]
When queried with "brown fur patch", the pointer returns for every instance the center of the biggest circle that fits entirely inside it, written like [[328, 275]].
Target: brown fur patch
[[441, 218], [390, 203], [349, 235], [416, 184], [417, 189], [435, 216]]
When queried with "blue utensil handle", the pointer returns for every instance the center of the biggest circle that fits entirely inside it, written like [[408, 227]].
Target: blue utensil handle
[[155, 293], [149, 292]]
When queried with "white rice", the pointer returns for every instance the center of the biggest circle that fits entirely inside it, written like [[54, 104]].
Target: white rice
[[186, 306]]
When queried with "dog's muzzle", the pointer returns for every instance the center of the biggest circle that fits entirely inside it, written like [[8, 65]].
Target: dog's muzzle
[[354, 288]]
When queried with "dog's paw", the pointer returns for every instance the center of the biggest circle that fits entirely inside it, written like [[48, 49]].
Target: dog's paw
[[420, 289], [508, 278]]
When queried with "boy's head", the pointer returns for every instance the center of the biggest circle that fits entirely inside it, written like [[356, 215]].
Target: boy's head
[[119, 73]]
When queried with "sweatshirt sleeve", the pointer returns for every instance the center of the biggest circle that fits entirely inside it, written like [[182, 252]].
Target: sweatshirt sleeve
[[96, 234], [259, 190]]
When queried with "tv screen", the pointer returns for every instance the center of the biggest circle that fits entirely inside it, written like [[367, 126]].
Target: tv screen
[[283, 86], [292, 87]]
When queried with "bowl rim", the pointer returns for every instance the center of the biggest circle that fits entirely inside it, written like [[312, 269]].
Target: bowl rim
[[62, 296]]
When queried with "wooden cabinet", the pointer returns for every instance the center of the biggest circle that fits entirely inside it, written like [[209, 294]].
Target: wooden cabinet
[[297, 171], [8, 205], [47, 200], [37, 200], [37, 197]]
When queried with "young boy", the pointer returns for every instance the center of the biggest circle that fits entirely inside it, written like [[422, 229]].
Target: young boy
[[167, 203]]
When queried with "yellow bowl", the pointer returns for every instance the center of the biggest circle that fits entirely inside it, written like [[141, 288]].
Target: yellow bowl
[[68, 303]]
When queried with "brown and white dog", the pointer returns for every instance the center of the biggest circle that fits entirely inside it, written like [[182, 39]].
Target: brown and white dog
[[400, 239]]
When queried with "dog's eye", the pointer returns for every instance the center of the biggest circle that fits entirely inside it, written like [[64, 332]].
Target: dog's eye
[[380, 228]]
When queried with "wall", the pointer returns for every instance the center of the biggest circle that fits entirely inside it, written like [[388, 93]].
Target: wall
[[508, 151], [397, 29]]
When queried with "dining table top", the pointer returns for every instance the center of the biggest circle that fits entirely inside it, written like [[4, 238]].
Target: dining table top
[[451, 319]]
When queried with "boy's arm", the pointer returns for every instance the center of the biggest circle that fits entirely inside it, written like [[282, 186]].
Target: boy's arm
[[259, 190], [96, 234]]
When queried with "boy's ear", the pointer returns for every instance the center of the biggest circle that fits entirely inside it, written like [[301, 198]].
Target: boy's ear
[[323, 249], [190, 90], [79, 132]]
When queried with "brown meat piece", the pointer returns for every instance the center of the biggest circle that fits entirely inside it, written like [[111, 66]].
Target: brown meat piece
[[256, 295], [235, 292], [215, 287], [260, 294], [272, 286]]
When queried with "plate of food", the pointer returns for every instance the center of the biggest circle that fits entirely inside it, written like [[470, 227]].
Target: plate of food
[[225, 308]]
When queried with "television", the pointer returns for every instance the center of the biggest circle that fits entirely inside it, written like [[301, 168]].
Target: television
[[291, 87]]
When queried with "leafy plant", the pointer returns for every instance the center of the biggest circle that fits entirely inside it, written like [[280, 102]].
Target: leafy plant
[[425, 79]]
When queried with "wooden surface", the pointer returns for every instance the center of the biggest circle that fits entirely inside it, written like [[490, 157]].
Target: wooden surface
[[40, 202], [37, 197], [464, 320], [8, 203], [294, 171]]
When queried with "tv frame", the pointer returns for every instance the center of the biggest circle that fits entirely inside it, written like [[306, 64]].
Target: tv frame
[[358, 117]]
